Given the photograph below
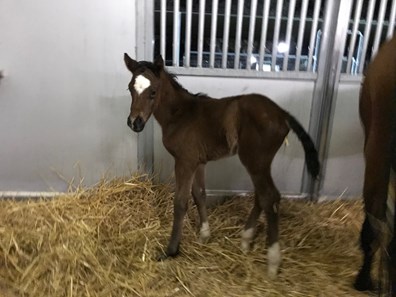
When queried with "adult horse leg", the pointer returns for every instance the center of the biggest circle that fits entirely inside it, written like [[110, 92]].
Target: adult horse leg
[[392, 245], [199, 195], [363, 280], [392, 260], [372, 236], [392, 196], [184, 174], [374, 194]]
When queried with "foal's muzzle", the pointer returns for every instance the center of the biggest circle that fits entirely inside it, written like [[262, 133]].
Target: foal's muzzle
[[137, 125]]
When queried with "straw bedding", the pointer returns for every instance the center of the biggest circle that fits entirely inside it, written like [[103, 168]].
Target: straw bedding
[[102, 241]]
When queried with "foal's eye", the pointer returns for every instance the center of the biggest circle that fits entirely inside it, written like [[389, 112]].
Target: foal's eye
[[152, 94]]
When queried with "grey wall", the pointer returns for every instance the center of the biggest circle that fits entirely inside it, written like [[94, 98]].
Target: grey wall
[[63, 101], [344, 172]]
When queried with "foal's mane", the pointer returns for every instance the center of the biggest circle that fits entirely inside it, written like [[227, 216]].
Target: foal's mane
[[172, 77]]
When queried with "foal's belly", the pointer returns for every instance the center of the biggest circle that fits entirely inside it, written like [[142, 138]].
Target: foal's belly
[[220, 152]]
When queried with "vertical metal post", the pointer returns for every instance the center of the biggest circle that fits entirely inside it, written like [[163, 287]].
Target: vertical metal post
[[352, 42], [275, 41], [378, 31], [163, 29], [313, 33], [213, 34], [226, 34], [145, 39], [367, 30], [176, 33], [252, 23], [201, 26], [392, 17], [289, 27], [263, 38], [238, 33], [301, 29], [187, 49], [329, 70]]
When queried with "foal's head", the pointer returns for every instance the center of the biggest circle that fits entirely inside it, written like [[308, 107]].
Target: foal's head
[[144, 88]]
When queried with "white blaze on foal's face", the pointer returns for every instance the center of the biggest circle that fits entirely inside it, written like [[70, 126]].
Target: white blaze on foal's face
[[141, 83]]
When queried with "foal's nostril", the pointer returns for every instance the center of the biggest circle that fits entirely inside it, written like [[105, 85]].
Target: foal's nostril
[[129, 123], [138, 124]]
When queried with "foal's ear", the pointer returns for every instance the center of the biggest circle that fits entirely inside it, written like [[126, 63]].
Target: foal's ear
[[130, 63], [159, 62]]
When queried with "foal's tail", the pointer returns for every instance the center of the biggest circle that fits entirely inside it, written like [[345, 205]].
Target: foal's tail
[[311, 154]]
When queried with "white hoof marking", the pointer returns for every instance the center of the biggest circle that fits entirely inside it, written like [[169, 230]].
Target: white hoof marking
[[204, 232], [274, 260], [247, 237]]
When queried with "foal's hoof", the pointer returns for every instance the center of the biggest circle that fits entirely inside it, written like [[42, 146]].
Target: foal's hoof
[[204, 233], [204, 239], [246, 240], [273, 272], [363, 282], [167, 255], [245, 246]]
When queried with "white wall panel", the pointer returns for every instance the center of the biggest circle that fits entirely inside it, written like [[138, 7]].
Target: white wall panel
[[63, 101], [344, 170]]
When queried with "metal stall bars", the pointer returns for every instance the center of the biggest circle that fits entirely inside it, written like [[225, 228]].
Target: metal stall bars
[[373, 22], [251, 38], [238, 38], [360, 28], [246, 38]]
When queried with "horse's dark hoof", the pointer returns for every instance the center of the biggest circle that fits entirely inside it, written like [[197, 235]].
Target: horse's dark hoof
[[363, 282]]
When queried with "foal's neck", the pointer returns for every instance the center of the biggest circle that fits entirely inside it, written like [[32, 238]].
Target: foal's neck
[[175, 102]]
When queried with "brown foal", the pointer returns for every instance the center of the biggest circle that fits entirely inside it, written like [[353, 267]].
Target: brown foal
[[197, 129]]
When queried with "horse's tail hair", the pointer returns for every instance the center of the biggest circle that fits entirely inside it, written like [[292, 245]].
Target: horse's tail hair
[[311, 154]]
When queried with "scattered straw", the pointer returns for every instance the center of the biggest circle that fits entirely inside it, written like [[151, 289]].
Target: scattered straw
[[103, 241]]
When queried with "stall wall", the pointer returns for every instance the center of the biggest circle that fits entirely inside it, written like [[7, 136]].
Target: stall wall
[[64, 103], [344, 171], [63, 100]]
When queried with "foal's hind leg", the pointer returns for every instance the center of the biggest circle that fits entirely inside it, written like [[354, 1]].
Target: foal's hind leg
[[267, 198], [199, 195], [250, 227]]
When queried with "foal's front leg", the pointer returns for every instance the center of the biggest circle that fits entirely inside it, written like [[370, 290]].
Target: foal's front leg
[[199, 195], [184, 174]]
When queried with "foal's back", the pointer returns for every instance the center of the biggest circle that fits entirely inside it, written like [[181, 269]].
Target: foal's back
[[216, 128], [254, 109]]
